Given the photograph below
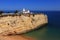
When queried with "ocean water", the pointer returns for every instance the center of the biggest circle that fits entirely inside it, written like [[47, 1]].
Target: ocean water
[[51, 31]]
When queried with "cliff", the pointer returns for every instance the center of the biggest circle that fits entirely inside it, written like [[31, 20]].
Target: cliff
[[17, 24]]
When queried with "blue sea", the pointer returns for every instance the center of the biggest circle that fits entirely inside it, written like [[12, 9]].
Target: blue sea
[[51, 31]]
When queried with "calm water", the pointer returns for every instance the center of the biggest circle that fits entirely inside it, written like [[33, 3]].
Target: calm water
[[50, 31]]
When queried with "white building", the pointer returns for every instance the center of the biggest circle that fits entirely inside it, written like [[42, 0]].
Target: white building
[[25, 11]]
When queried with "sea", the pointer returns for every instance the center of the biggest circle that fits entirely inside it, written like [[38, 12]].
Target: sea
[[51, 31]]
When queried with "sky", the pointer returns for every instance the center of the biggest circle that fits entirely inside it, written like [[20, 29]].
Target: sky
[[30, 4]]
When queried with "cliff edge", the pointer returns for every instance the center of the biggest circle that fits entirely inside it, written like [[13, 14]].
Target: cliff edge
[[17, 24]]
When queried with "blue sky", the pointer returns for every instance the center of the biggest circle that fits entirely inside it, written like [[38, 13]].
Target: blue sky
[[30, 4]]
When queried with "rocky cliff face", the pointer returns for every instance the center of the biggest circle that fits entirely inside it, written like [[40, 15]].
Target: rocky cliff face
[[21, 23]]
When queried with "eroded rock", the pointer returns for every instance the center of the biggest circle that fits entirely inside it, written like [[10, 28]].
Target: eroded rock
[[21, 23]]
